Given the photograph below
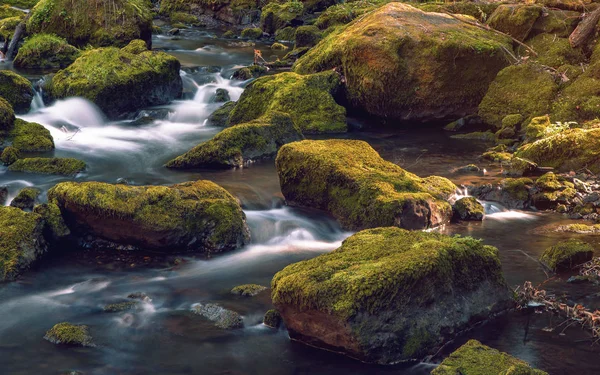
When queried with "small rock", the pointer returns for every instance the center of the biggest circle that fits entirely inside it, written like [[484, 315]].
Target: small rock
[[567, 254], [121, 306], [468, 208], [174, 31], [222, 318], [272, 319], [222, 96], [69, 334], [248, 290], [3, 195], [140, 296], [26, 198], [468, 169]]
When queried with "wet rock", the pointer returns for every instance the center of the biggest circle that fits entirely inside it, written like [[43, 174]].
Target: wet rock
[[7, 115], [140, 296], [473, 358], [468, 208], [252, 71], [565, 255], [54, 224], [220, 117], [69, 334], [26, 198], [307, 36], [551, 190], [56, 166], [46, 51], [518, 167], [192, 216], [510, 192], [275, 16], [515, 20], [31, 137], [251, 33], [3, 195], [222, 318], [9, 155], [471, 168], [221, 96], [121, 306], [174, 31], [395, 281], [17, 90], [148, 116], [248, 290], [272, 319]]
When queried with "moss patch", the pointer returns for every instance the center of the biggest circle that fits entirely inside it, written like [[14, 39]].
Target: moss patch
[[248, 290], [515, 20], [468, 209], [69, 334], [7, 115], [45, 51], [272, 318], [9, 155], [251, 33], [26, 198], [58, 166], [567, 254], [580, 101], [220, 117], [17, 90], [54, 224], [553, 51], [307, 36], [31, 137], [276, 15]]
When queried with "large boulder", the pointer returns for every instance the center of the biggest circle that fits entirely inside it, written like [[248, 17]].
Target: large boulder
[[389, 295], [236, 145], [120, 80], [31, 137], [46, 51], [17, 90], [307, 99], [566, 255], [351, 181], [93, 22], [400, 62], [192, 216], [21, 241]]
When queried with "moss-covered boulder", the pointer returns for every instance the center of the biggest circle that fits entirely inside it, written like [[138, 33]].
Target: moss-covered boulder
[[46, 51], [54, 224], [192, 216], [251, 33], [248, 290], [403, 63], [525, 89], [418, 288], [221, 96], [307, 36], [468, 208], [344, 13], [10, 155], [93, 22], [287, 34], [272, 318], [121, 306], [473, 358], [567, 254], [8, 26], [221, 317], [26, 198], [17, 90], [120, 80], [277, 15], [551, 190], [21, 241], [568, 150], [236, 145], [307, 99], [7, 115], [57, 166], [31, 137], [69, 334], [351, 181], [515, 20], [220, 117]]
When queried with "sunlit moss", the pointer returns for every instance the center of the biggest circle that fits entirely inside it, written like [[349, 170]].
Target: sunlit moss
[[46, 51], [58, 166], [17, 90], [567, 254]]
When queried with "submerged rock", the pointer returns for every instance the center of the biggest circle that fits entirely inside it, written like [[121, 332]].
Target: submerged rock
[[26, 198], [390, 295], [473, 358], [468, 208], [46, 51], [248, 290], [120, 80], [69, 334], [17, 90], [57, 166], [222, 318], [351, 181], [272, 319], [192, 216], [565, 255], [400, 62], [236, 145]]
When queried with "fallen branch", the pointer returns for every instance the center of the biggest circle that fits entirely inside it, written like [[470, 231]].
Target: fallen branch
[[585, 28]]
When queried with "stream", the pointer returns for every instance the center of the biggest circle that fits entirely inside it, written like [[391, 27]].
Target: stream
[[163, 337]]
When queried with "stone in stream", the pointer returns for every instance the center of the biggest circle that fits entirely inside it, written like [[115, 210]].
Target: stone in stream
[[46, 51], [474, 358], [248, 290], [402, 63], [120, 80], [222, 318], [468, 208], [220, 117], [272, 319], [56, 166], [351, 181], [567, 254], [3, 195], [191, 216], [389, 295], [235, 146], [7, 115], [122, 306], [31, 137], [26, 198], [17, 90], [221, 96], [69, 334], [9, 155]]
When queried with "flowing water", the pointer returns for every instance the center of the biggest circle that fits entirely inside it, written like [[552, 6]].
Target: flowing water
[[163, 337]]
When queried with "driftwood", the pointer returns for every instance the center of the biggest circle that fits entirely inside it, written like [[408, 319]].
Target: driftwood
[[585, 28], [12, 46]]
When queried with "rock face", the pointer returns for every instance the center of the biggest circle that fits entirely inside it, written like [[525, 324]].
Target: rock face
[[46, 51], [21, 241], [307, 99], [567, 254], [17, 90], [192, 216], [473, 358], [91, 22], [403, 63], [351, 181], [390, 295], [236, 145], [120, 80]]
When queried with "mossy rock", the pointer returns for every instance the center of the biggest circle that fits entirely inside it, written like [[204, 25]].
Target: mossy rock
[[272, 319], [279, 47], [7, 115], [515, 20], [552, 190], [222, 318], [54, 224], [121, 306], [249, 72], [486, 136], [9, 25], [57, 166], [473, 358], [497, 156], [276, 15], [571, 149], [31, 137], [17, 90], [556, 22], [192, 216], [184, 18], [536, 128], [479, 10], [21, 241], [221, 96], [307, 99], [91, 22], [220, 117], [236, 145], [553, 51], [286, 34], [7, 11], [344, 13], [468, 208], [10, 155], [307, 36], [580, 101], [46, 51], [403, 63], [120, 80], [525, 89], [23, 4], [567, 254], [248, 290], [69, 334], [416, 286], [351, 181], [26, 198], [251, 33]]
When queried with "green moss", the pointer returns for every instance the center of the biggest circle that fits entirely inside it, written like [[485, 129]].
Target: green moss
[[556, 22], [92, 22], [58, 166], [248, 290], [279, 46], [46, 51], [512, 121], [552, 190], [170, 6], [351, 181], [8, 26], [517, 188], [515, 20], [524, 89], [9, 155], [220, 117], [7, 115], [344, 13], [251, 71], [31, 137], [580, 101], [229, 34], [251, 33], [473, 358], [498, 157], [275, 15], [554, 52], [579, 228], [536, 128], [121, 306], [567, 254], [468, 208], [69, 334], [26, 198], [307, 99], [486, 136], [17, 90], [286, 34], [7, 11], [480, 11], [307, 36], [185, 18], [272, 318], [234, 146], [54, 225], [23, 4]]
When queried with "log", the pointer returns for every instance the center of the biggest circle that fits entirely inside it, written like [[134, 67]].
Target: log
[[12, 46], [585, 28]]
